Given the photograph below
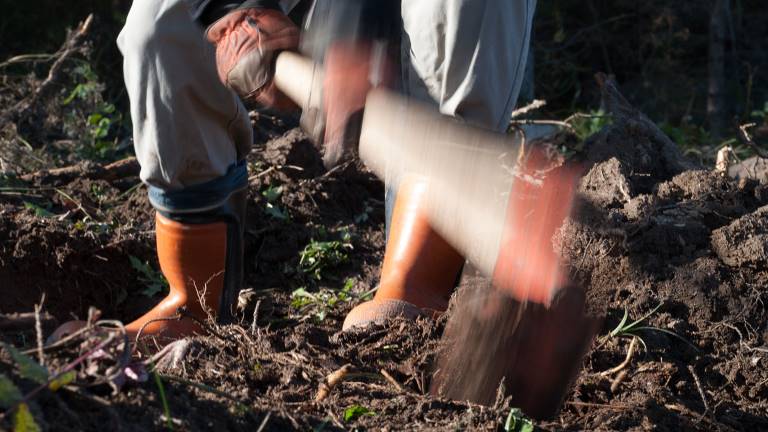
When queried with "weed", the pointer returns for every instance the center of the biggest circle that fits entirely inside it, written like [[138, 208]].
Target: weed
[[761, 114], [318, 256], [23, 420], [163, 401], [102, 120], [586, 125], [39, 211], [273, 209], [320, 303], [153, 279], [366, 213], [517, 422], [356, 411], [631, 330], [11, 398]]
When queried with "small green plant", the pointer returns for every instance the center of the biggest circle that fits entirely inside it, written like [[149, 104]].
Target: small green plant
[[272, 195], [761, 114], [163, 401], [517, 422], [153, 279], [320, 303], [101, 118], [624, 329], [318, 256], [586, 125], [365, 214], [356, 411], [39, 211], [11, 398]]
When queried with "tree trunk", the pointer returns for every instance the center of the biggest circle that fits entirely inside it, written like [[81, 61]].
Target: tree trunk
[[717, 109]]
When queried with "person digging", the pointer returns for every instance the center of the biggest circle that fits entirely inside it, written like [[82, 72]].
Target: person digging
[[188, 66]]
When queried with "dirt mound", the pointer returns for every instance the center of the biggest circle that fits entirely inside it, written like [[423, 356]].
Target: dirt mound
[[692, 242]]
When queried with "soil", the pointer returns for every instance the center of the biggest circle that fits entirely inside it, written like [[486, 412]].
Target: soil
[[684, 249]]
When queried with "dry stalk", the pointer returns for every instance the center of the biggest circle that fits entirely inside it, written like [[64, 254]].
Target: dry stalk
[[39, 331], [699, 388], [392, 381], [331, 381]]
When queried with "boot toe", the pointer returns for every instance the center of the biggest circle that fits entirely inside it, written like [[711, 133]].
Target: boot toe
[[379, 311]]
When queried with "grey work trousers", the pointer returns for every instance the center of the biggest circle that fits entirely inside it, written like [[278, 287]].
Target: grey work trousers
[[465, 56]]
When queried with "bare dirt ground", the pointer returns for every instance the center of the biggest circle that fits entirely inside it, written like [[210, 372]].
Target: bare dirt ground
[[680, 247]]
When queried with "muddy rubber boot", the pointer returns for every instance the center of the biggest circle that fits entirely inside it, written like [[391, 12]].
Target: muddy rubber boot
[[420, 268], [201, 255]]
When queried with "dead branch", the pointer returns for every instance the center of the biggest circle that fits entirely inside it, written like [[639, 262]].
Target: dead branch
[[746, 138], [71, 45], [24, 321], [123, 168]]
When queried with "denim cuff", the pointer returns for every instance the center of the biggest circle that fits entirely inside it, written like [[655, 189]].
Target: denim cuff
[[204, 196]]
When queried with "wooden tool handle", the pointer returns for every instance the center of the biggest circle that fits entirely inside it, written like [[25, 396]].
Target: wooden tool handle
[[300, 78]]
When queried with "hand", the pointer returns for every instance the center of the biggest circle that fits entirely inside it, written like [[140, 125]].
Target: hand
[[247, 43], [351, 70]]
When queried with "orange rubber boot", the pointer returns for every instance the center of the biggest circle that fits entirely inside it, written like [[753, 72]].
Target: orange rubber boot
[[420, 268], [192, 257], [201, 256]]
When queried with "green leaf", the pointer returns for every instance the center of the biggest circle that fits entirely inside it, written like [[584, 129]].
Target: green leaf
[[623, 321], [23, 420], [276, 212], [355, 411], [154, 280], [272, 193], [9, 393], [39, 211], [62, 380], [517, 422], [28, 368]]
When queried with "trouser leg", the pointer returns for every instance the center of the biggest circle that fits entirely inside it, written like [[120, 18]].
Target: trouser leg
[[467, 56], [188, 127]]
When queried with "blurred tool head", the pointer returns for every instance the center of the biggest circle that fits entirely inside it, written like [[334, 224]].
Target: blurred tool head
[[534, 351], [354, 40]]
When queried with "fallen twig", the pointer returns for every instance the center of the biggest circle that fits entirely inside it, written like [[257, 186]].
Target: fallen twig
[[331, 381], [597, 405]]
